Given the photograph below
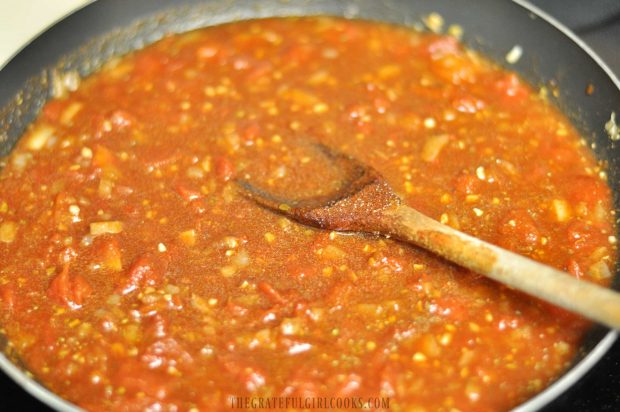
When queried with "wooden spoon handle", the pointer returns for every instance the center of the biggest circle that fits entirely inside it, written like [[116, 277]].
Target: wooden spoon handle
[[539, 280]]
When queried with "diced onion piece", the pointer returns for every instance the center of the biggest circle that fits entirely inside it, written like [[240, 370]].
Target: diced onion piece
[[333, 252], [561, 347], [69, 113], [113, 263], [39, 137], [86, 153], [388, 71], [291, 326], [299, 348], [369, 309], [263, 338], [20, 161], [132, 333], [101, 228], [230, 242], [241, 259], [199, 303], [599, 253], [172, 289], [280, 172], [105, 159], [112, 257], [430, 123], [8, 232], [599, 214], [612, 129], [105, 188], [301, 97], [188, 237], [453, 221], [434, 22], [433, 147], [600, 270], [206, 164], [195, 172], [455, 31], [467, 356], [429, 346], [472, 391], [114, 299], [64, 82], [87, 240], [514, 54], [561, 210]]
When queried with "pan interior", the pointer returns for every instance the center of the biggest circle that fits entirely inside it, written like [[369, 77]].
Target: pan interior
[[24, 92]]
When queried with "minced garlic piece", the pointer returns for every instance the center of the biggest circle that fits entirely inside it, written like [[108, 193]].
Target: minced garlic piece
[[434, 22], [612, 129], [561, 210], [514, 54], [39, 137]]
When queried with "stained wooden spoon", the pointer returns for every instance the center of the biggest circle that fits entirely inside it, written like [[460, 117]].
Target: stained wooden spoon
[[366, 203]]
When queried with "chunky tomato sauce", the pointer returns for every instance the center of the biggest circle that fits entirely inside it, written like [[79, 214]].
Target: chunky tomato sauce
[[135, 276]]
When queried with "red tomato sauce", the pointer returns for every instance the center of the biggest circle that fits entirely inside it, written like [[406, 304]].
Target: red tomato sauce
[[135, 276]]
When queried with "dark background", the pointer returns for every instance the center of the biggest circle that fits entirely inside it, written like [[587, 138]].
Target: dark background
[[597, 22]]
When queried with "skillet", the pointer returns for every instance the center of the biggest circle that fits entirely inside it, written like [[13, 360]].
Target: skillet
[[552, 57]]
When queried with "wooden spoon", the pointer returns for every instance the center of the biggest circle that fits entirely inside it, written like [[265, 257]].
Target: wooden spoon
[[366, 203]]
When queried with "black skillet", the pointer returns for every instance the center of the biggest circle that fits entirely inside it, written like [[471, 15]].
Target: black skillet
[[552, 57]]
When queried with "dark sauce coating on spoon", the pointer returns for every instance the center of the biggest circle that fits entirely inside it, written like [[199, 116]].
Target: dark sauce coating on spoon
[[363, 196]]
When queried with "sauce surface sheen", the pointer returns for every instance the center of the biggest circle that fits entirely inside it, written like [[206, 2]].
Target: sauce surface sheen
[[135, 276]]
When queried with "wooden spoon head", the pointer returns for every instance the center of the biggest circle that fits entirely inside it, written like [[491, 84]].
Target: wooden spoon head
[[355, 206]]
